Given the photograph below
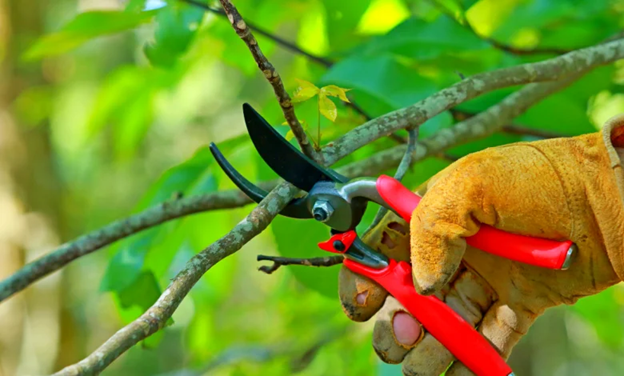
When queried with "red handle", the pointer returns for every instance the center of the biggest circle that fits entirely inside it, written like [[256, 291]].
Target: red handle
[[444, 324], [529, 250]]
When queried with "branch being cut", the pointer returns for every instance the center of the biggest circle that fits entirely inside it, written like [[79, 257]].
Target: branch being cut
[[574, 63], [244, 32], [283, 261]]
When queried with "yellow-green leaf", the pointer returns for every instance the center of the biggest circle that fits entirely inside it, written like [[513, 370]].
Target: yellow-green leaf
[[335, 91], [327, 107], [290, 135], [305, 91]]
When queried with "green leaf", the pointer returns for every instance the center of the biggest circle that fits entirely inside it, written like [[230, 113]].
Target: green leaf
[[383, 78], [126, 103], [327, 107], [127, 264], [85, 27], [454, 8], [342, 18], [335, 91], [299, 239], [193, 176], [144, 292], [176, 27], [423, 40], [305, 91]]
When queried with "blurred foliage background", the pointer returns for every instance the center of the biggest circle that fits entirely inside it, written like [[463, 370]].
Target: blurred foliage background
[[106, 108]]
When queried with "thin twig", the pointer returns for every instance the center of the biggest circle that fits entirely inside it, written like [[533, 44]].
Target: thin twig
[[404, 165], [284, 43], [244, 32], [282, 261]]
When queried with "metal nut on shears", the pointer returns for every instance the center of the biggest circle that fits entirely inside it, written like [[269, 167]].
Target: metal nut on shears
[[322, 211]]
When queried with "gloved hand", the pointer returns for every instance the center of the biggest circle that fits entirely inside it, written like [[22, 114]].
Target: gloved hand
[[568, 188]]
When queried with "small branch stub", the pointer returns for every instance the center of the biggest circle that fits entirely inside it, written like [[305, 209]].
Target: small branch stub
[[318, 262]]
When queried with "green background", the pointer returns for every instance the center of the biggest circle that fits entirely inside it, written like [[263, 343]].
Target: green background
[[109, 108]]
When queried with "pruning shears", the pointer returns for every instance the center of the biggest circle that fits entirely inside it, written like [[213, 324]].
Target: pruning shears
[[340, 202]]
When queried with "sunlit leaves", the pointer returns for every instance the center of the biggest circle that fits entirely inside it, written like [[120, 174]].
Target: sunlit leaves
[[326, 106], [394, 12], [382, 77], [85, 27], [305, 91]]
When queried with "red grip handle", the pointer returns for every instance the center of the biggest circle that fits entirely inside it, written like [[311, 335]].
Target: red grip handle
[[529, 250], [444, 324]]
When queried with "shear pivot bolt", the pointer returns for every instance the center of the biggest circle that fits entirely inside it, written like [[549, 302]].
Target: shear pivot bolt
[[322, 211], [339, 246]]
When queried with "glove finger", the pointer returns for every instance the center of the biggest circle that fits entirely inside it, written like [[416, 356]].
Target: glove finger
[[360, 297], [395, 332], [439, 225], [503, 327], [469, 296]]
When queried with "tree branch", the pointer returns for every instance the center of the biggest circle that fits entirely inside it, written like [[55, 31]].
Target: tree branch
[[244, 32], [95, 240], [282, 261], [157, 315], [573, 63], [474, 128]]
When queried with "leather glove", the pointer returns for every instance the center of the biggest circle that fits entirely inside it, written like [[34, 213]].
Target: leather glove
[[567, 188]]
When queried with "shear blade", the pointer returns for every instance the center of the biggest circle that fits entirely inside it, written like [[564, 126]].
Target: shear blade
[[297, 208], [282, 157]]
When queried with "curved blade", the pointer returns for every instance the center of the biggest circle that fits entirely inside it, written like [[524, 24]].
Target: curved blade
[[297, 208], [282, 157]]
